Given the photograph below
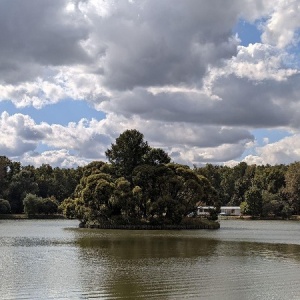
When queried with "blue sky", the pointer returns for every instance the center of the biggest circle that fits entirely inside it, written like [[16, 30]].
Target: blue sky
[[60, 113], [248, 33], [220, 86]]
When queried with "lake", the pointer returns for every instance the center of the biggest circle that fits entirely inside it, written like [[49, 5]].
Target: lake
[[53, 259]]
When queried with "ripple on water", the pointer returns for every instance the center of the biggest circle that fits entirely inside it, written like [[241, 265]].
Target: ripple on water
[[48, 262]]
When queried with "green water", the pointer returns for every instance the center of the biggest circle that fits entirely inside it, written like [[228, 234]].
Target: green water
[[53, 259]]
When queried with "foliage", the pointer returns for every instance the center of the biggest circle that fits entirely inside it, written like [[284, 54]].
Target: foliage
[[31, 204], [158, 194], [130, 151], [138, 184], [253, 198], [34, 205], [244, 208], [21, 184], [292, 180], [4, 207], [67, 208]]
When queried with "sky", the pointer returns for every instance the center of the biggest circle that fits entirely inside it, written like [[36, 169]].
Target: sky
[[213, 81]]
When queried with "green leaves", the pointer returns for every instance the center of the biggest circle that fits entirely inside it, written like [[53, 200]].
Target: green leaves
[[130, 151], [4, 207], [34, 205]]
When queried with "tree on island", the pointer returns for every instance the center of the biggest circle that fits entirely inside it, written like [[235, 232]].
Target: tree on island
[[138, 186], [130, 151]]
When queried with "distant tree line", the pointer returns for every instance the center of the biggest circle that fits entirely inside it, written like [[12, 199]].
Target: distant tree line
[[140, 185], [260, 191], [44, 183]]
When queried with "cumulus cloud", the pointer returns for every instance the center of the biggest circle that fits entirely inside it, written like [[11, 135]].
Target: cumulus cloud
[[146, 45], [19, 134], [199, 156], [281, 27], [174, 71], [285, 151], [241, 102], [36, 34], [118, 46], [57, 158], [260, 62], [87, 140]]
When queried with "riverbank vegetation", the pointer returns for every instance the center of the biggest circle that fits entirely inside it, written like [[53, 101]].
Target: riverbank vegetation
[[139, 185]]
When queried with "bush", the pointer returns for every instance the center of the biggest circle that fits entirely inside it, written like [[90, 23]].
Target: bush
[[48, 206], [31, 204], [34, 205], [4, 207]]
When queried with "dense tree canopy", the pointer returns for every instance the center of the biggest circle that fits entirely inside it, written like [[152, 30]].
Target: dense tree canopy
[[130, 151], [17, 181], [155, 194], [140, 184], [292, 178]]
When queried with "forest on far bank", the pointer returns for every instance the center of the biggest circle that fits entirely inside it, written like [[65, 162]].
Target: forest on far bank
[[139, 184]]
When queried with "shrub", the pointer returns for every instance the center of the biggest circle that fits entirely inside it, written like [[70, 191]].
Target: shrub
[[4, 207]]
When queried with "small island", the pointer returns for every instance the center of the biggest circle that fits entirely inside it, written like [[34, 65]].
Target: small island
[[140, 189]]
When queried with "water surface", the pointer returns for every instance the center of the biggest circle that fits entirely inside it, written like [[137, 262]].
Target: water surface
[[53, 259]]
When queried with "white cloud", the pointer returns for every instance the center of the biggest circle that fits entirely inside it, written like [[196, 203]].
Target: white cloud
[[19, 134], [260, 62], [286, 150], [280, 29], [175, 72], [199, 156], [57, 158], [254, 160]]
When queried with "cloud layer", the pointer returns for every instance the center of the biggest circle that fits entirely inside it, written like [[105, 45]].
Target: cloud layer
[[175, 71]]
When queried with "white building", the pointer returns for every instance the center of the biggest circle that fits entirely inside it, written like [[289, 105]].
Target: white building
[[225, 210], [230, 211], [204, 210]]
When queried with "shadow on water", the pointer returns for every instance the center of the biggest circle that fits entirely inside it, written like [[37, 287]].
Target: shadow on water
[[135, 265], [125, 245]]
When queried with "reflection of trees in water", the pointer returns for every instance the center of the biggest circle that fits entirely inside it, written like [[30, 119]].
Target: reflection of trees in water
[[142, 265], [128, 246]]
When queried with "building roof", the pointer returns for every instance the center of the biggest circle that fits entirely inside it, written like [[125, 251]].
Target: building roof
[[230, 207]]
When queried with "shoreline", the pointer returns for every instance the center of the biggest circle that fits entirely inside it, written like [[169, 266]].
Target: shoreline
[[200, 224], [25, 217], [249, 218], [153, 227]]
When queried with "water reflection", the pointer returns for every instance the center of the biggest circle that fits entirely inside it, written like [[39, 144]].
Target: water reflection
[[140, 265], [135, 265], [148, 244], [41, 260]]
